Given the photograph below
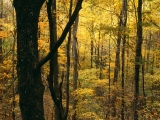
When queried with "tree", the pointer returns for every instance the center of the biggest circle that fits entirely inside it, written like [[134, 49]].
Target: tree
[[138, 58], [1, 16], [30, 85], [75, 64], [29, 79], [124, 22], [53, 74], [68, 63]]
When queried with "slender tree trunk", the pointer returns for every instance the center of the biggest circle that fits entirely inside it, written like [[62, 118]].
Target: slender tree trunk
[[68, 64], [148, 52], [100, 61], [1, 16], [143, 81], [91, 52], [75, 57], [53, 75], [123, 77], [13, 68], [138, 58], [30, 85], [117, 60], [124, 22], [92, 44]]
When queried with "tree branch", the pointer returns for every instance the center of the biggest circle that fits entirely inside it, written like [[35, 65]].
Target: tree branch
[[61, 39]]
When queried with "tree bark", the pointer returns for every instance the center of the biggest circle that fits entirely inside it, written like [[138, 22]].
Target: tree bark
[[53, 74], [124, 22], [75, 61], [1, 16], [138, 58], [117, 61], [30, 85], [68, 64]]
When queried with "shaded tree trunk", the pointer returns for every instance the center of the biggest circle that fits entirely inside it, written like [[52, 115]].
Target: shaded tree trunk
[[75, 62], [1, 16], [91, 53], [68, 64], [30, 85], [138, 58], [124, 22], [53, 74], [117, 60], [13, 67]]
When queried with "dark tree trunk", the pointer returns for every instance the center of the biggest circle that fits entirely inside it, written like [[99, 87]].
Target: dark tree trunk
[[138, 58], [117, 60], [53, 74], [30, 85], [91, 53], [92, 44], [1, 16], [75, 61], [124, 22], [68, 64]]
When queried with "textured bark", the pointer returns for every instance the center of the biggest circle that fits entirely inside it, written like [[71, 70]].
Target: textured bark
[[68, 64], [92, 32], [30, 85], [1, 16], [75, 62], [138, 58], [53, 75], [124, 22]]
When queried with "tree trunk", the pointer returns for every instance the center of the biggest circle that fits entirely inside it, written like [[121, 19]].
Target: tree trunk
[[117, 61], [68, 64], [30, 85], [124, 22], [53, 74], [1, 16], [138, 58], [75, 58], [13, 68]]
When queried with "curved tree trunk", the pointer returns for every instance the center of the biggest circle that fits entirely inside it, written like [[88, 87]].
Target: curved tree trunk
[[30, 85]]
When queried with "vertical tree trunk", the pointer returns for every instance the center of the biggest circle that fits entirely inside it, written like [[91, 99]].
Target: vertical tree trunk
[[68, 64], [117, 60], [124, 22], [53, 74], [30, 85], [91, 53], [100, 61], [1, 16], [13, 67], [138, 58], [91, 44], [75, 57], [148, 51]]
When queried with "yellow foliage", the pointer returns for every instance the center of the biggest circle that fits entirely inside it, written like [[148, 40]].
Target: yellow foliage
[[3, 34], [80, 93]]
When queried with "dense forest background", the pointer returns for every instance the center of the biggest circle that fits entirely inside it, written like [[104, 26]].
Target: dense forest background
[[107, 67]]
